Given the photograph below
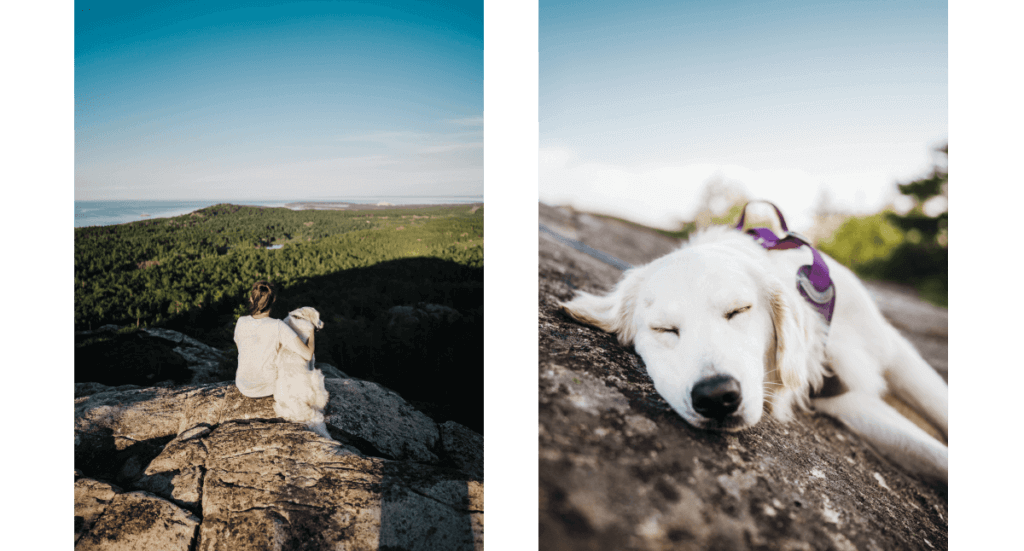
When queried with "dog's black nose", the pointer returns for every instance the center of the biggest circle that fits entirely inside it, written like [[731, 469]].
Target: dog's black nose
[[717, 397]]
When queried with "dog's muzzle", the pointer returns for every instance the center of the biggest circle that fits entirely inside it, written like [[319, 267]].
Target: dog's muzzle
[[716, 397]]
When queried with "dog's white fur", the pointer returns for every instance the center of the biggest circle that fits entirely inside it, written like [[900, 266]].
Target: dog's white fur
[[300, 395], [778, 350]]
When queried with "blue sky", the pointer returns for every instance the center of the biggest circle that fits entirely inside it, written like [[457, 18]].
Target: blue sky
[[278, 100], [643, 102]]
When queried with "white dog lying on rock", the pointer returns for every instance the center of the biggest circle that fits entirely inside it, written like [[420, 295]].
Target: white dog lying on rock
[[300, 395]]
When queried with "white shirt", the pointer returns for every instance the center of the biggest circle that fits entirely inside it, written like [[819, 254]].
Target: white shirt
[[258, 342]]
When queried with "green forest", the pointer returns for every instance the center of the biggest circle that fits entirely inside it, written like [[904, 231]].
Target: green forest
[[191, 273], [155, 271]]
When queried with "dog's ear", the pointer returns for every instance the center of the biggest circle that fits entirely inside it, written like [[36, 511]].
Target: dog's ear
[[788, 356], [613, 312]]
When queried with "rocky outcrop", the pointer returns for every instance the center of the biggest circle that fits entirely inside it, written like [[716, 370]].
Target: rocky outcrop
[[619, 469], [203, 467], [192, 361], [148, 357]]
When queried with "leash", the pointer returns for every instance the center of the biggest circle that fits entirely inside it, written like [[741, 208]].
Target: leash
[[812, 280], [579, 246]]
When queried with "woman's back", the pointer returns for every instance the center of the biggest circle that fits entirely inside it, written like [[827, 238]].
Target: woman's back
[[258, 340]]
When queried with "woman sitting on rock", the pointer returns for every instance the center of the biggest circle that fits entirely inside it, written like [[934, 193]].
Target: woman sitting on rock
[[258, 337]]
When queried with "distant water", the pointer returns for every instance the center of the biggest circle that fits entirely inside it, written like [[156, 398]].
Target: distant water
[[105, 213]]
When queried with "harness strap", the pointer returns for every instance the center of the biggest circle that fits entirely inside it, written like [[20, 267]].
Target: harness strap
[[812, 281]]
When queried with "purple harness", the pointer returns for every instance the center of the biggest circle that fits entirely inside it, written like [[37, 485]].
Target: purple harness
[[812, 281]]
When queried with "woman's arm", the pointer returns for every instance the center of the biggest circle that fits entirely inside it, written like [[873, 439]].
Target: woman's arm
[[304, 350]]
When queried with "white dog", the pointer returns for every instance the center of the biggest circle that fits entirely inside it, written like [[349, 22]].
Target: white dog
[[300, 395], [724, 332]]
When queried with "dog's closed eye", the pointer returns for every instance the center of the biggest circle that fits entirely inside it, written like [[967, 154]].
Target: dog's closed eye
[[672, 330], [729, 315]]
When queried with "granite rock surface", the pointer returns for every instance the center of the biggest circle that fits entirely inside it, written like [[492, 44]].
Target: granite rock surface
[[203, 467]]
